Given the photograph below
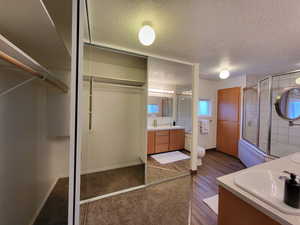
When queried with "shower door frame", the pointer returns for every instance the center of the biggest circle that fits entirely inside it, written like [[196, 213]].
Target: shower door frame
[[270, 92]]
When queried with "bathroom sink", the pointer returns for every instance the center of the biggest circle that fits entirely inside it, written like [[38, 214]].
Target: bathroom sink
[[266, 186]]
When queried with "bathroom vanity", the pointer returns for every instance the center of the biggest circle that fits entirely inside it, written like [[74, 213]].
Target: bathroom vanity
[[164, 139], [255, 195]]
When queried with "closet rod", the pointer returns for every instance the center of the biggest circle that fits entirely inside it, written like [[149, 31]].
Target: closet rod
[[115, 82], [50, 80]]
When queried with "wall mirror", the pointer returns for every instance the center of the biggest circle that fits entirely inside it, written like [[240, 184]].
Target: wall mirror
[[287, 104], [160, 106]]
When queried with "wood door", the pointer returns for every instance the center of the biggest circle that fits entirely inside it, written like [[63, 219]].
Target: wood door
[[151, 142], [176, 139], [228, 124]]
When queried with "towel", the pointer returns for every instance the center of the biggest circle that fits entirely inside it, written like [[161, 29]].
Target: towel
[[204, 126]]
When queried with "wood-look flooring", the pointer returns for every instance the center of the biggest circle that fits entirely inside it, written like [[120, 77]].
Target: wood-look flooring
[[215, 164]]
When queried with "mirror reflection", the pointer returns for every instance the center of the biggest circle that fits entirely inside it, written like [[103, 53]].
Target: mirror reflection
[[169, 120], [288, 104], [160, 106]]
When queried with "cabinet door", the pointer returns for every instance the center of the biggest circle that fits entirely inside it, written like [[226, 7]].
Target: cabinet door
[[151, 142], [162, 139], [176, 139]]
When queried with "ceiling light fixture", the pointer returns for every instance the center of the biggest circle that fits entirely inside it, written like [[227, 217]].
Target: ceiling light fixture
[[147, 35], [224, 74], [298, 81]]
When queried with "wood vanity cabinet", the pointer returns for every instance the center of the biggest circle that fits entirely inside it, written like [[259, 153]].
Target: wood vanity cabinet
[[165, 140], [235, 211], [176, 139], [162, 139], [151, 142]]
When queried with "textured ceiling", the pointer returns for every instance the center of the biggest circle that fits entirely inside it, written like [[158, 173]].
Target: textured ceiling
[[245, 36]]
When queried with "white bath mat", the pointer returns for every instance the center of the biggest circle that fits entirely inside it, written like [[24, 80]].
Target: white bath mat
[[169, 157], [213, 203]]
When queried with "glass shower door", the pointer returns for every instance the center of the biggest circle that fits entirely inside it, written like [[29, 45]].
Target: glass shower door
[[285, 139], [264, 113], [250, 120]]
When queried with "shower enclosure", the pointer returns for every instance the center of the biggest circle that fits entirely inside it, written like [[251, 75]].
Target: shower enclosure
[[263, 128]]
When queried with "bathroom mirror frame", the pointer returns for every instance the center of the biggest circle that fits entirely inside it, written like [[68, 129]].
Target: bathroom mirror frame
[[277, 104]]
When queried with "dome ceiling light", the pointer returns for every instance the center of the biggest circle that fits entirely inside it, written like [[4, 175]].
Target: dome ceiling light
[[147, 35], [224, 74]]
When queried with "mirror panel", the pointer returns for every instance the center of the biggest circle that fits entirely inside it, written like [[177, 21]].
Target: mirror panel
[[114, 96], [160, 106], [169, 111]]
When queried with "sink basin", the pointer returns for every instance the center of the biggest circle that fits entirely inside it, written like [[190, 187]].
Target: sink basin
[[266, 186]]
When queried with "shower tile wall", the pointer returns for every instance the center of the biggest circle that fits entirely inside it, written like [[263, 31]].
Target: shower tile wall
[[285, 139]]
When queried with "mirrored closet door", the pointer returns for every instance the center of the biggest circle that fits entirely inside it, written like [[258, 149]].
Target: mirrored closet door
[[169, 125], [114, 122]]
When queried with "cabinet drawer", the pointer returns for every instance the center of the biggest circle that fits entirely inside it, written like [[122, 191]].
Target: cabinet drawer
[[161, 148], [163, 139], [178, 131], [162, 133]]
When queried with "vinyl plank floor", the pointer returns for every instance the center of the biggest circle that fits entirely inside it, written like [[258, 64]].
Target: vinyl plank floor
[[215, 164]]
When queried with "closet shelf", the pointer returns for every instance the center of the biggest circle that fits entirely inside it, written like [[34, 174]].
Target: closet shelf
[[13, 55]]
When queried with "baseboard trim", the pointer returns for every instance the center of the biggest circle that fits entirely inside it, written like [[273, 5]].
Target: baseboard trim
[[38, 211]]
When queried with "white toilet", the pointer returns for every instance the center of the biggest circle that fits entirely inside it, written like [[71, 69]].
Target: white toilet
[[200, 149], [200, 154]]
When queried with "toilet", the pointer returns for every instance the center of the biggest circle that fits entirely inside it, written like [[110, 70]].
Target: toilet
[[188, 146], [200, 154]]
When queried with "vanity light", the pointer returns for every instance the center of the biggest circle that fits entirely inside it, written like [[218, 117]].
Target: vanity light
[[160, 91], [187, 93], [298, 81], [147, 35], [224, 74]]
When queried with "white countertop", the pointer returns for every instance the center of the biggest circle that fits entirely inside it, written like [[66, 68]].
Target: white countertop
[[166, 128], [279, 165]]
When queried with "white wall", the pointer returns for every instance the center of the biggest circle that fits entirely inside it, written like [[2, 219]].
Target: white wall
[[116, 139], [31, 160], [208, 90]]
